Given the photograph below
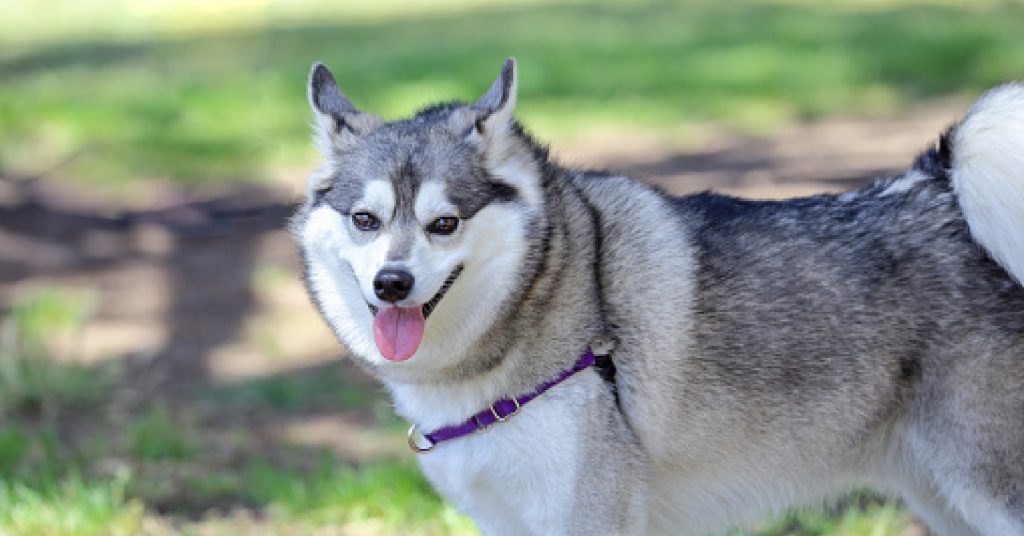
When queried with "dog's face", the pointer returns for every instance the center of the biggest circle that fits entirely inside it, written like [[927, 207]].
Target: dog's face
[[414, 232]]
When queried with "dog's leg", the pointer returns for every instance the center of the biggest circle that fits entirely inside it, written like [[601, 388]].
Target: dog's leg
[[968, 493], [935, 511], [612, 489], [969, 455], [990, 516]]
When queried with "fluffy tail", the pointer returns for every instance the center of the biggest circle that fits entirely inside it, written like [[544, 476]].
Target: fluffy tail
[[987, 171]]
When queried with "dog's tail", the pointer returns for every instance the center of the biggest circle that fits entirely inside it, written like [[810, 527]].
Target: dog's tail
[[986, 164]]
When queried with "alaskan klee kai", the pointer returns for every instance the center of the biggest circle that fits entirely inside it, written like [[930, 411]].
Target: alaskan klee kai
[[579, 353]]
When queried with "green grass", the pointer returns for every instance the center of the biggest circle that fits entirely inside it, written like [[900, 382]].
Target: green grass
[[863, 517], [382, 498], [200, 95], [315, 390], [41, 323], [70, 506], [393, 494], [156, 436]]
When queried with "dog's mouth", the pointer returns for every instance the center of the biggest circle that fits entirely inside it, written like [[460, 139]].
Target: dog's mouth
[[399, 330], [430, 305]]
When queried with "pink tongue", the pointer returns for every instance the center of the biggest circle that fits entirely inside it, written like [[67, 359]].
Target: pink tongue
[[398, 331]]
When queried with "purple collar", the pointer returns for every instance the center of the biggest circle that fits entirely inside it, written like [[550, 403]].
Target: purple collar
[[500, 411]]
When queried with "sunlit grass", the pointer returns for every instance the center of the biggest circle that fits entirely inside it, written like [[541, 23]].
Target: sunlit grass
[[384, 499], [395, 495], [56, 21], [870, 519], [195, 93], [71, 506]]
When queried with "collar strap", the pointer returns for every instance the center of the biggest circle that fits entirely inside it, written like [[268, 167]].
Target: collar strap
[[500, 411]]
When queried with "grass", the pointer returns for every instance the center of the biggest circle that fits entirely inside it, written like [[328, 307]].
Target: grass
[[382, 498], [390, 498], [70, 506], [60, 478], [864, 515], [155, 436], [210, 94], [394, 495], [172, 472], [41, 323]]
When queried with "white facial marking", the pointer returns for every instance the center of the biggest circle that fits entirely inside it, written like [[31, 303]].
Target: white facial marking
[[342, 266], [431, 202], [378, 198], [327, 242]]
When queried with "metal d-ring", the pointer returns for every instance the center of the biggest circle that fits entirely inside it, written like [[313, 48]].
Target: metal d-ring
[[414, 445]]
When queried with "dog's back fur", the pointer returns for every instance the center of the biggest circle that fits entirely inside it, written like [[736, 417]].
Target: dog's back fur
[[768, 353]]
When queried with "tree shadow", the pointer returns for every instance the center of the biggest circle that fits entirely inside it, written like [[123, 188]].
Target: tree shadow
[[206, 255]]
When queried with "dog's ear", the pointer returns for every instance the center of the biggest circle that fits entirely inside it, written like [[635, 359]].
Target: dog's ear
[[489, 125], [338, 122], [493, 111]]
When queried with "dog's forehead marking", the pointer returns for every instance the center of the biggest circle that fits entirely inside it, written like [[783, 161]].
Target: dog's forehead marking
[[379, 198], [432, 201]]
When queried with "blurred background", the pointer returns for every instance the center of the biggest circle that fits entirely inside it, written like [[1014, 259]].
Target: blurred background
[[161, 369]]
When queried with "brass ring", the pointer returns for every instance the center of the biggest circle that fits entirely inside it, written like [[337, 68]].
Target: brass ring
[[414, 445], [499, 418]]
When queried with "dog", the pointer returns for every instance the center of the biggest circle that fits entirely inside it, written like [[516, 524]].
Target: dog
[[580, 353]]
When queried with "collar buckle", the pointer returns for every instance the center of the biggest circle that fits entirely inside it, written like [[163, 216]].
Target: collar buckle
[[499, 418]]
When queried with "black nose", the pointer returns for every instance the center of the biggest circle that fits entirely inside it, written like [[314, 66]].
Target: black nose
[[392, 284]]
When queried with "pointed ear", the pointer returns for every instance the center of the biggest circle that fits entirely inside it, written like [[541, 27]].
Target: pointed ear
[[338, 122], [495, 108], [510, 158]]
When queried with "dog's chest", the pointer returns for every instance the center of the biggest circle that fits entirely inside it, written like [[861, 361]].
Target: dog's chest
[[517, 477]]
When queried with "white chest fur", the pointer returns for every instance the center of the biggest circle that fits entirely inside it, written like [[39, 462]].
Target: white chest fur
[[519, 476]]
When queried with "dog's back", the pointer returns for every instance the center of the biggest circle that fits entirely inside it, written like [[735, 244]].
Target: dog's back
[[839, 340]]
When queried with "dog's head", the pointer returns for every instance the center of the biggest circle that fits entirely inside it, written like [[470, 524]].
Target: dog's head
[[415, 232]]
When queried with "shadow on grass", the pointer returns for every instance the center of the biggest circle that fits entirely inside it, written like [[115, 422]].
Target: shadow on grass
[[158, 437], [231, 106], [163, 436]]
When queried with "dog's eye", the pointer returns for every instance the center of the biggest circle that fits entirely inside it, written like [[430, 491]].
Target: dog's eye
[[445, 225], [364, 221]]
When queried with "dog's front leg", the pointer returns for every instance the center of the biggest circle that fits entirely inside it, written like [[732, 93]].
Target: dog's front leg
[[612, 490]]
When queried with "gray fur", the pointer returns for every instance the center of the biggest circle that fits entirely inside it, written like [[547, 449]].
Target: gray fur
[[500, 92], [326, 97], [768, 354]]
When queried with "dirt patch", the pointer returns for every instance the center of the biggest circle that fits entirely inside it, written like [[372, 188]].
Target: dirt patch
[[800, 159]]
